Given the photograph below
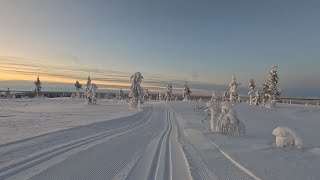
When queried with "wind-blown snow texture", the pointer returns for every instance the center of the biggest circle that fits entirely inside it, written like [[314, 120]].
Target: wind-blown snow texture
[[165, 140]]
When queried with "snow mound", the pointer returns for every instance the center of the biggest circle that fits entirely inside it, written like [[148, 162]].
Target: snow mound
[[287, 137]]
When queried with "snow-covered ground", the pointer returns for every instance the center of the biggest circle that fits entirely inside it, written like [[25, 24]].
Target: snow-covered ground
[[165, 140], [23, 118], [257, 152]]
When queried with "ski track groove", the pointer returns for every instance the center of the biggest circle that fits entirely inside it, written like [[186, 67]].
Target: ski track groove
[[209, 164], [154, 167], [23, 165]]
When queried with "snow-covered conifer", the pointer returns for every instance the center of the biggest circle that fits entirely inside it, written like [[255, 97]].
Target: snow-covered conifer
[[121, 96], [228, 121], [78, 87], [251, 87], [37, 90], [90, 92], [214, 107], [73, 95], [233, 89], [186, 92], [136, 91], [146, 96], [225, 96], [168, 95], [256, 99], [271, 91], [161, 97], [8, 93]]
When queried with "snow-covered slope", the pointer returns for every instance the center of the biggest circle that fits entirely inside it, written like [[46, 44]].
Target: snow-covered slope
[[24, 118]]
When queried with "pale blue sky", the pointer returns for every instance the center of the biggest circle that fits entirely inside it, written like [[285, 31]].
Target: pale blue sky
[[204, 41]]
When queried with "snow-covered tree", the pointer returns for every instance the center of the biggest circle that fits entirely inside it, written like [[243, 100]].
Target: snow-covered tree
[[161, 97], [121, 96], [8, 93], [73, 95], [78, 87], [256, 100], [186, 92], [271, 92], [233, 89], [228, 121], [37, 90], [146, 96], [136, 91], [251, 87], [168, 95], [90, 92], [215, 109], [225, 96]]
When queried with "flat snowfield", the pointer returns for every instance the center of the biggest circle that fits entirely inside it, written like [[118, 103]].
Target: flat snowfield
[[163, 141], [23, 118]]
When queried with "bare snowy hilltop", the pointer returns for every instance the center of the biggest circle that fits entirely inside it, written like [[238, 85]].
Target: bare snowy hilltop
[[62, 138]]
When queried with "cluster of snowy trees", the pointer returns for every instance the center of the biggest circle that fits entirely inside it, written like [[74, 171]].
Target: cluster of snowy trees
[[223, 118], [271, 92]]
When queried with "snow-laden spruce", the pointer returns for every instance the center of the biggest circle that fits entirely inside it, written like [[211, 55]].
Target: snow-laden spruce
[[233, 89], [251, 87], [286, 137], [214, 106], [168, 95], [38, 87], [73, 95], [136, 91], [256, 100], [186, 92], [160, 97], [90, 92], [8, 94], [271, 92], [228, 121], [121, 96], [78, 88], [146, 96]]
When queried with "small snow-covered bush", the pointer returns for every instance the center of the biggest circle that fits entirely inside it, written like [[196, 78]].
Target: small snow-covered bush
[[287, 137]]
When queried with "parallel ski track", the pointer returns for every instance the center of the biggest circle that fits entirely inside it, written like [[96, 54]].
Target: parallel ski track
[[164, 141], [23, 165], [209, 165]]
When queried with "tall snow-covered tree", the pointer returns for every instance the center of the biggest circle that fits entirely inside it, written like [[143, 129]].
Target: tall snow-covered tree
[[146, 96], [251, 87], [90, 92], [136, 91], [256, 100], [8, 93], [121, 96], [271, 92], [214, 107], [160, 96], [37, 90], [186, 92], [78, 87], [272, 82], [233, 89], [168, 95]]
